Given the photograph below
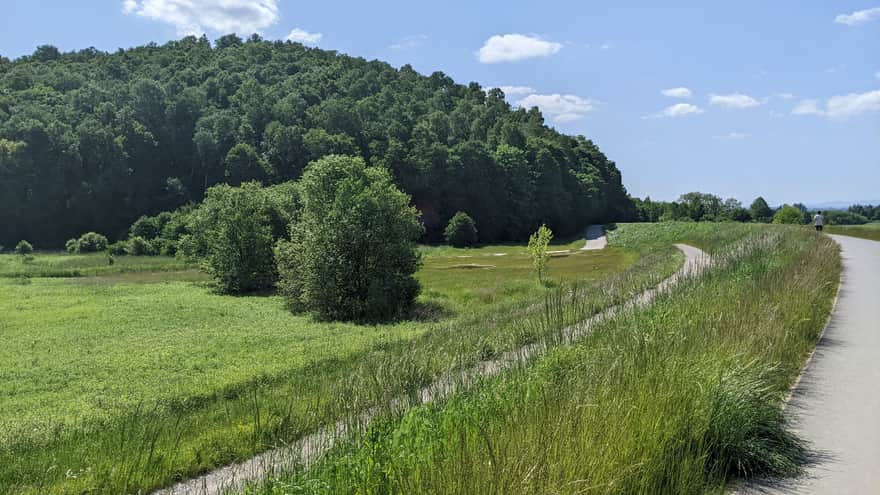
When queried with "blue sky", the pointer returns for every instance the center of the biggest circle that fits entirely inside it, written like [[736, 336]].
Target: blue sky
[[780, 99]]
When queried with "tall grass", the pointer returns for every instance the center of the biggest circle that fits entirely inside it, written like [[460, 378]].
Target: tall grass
[[869, 231], [62, 265], [681, 397], [149, 444]]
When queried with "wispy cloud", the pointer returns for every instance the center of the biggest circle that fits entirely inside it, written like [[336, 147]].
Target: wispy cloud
[[841, 106], [807, 107], [677, 110], [561, 108], [301, 36], [732, 136], [515, 47], [409, 42], [858, 17], [517, 90], [197, 16], [680, 92], [733, 100]]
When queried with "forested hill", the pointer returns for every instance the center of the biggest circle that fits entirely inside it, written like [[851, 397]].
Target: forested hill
[[91, 140]]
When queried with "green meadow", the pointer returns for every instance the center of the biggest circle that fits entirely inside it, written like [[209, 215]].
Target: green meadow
[[683, 396], [134, 375], [867, 231]]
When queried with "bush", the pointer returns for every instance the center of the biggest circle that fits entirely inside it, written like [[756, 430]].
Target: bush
[[789, 215], [461, 231], [844, 218], [138, 246], [150, 227], [72, 246], [165, 247], [24, 248], [119, 248], [352, 254], [91, 242], [231, 237]]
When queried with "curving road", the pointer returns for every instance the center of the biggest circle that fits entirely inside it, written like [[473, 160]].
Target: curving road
[[836, 404]]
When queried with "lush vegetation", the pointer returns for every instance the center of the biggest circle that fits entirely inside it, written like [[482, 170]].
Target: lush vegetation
[[91, 141], [681, 397], [461, 231], [56, 265], [352, 253], [868, 231], [704, 207], [130, 380], [788, 215]]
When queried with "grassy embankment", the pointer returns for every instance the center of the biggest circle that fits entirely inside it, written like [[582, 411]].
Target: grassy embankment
[[680, 397], [868, 231], [129, 381]]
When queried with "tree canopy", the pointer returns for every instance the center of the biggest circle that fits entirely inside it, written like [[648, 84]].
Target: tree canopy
[[91, 141], [352, 254]]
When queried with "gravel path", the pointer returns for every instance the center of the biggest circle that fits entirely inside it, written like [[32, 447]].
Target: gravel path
[[596, 238], [836, 404], [309, 449]]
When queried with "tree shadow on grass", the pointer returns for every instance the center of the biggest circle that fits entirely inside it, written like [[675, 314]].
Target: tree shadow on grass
[[430, 311]]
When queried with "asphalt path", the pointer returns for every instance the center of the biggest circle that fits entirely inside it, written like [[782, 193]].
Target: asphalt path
[[836, 404]]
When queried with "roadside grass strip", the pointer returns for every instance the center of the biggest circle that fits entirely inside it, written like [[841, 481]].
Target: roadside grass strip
[[680, 396]]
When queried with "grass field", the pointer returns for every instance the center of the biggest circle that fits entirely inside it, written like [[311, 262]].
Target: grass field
[[83, 265], [868, 231], [140, 374], [681, 397]]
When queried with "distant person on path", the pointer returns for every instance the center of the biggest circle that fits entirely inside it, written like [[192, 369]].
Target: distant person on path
[[818, 221]]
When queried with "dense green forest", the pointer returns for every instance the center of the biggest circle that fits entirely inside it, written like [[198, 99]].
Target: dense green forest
[[90, 141]]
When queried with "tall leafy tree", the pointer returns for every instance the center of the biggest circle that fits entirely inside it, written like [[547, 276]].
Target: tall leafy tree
[[761, 211], [352, 253]]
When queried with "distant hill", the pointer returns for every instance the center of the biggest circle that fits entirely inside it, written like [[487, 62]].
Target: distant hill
[[840, 205], [92, 140]]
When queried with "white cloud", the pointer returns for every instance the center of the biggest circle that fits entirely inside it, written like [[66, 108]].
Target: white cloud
[[408, 42], [562, 108], [807, 107], [784, 96], [677, 110], [732, 136], [841, 106], [129, 6], [677, 92], [877, 74], [516, 90], [301, 36], [197, 16], [605, 46], [858, 17], [514, 47], [853, 104], [733, 100]]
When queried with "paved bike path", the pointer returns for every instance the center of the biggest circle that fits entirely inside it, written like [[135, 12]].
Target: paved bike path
[[836, 404]]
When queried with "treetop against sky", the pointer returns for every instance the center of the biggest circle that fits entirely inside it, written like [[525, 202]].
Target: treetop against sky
[[780, 99]]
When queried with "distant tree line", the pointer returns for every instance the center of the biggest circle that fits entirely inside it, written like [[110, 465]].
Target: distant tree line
[[705, 207], [91, 141]]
